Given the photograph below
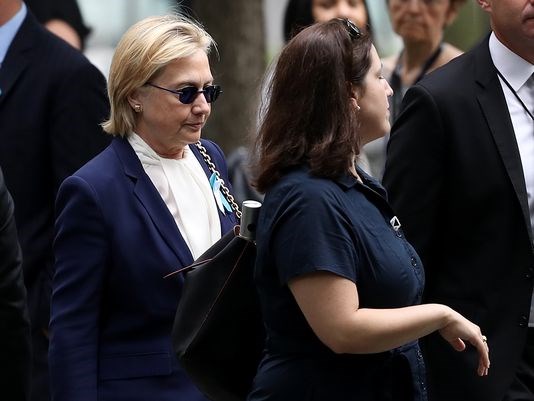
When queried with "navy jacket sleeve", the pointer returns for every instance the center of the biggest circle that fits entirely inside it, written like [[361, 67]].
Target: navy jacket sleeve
[[78, 286]]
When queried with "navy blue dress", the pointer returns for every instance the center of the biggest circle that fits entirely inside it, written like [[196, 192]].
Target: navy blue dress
[[341, 226]]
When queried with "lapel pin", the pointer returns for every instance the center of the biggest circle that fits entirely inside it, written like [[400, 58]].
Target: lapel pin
[[395, 223]]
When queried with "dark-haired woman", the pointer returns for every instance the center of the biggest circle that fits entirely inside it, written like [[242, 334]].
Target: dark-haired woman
[[298, 15], [338, 283]]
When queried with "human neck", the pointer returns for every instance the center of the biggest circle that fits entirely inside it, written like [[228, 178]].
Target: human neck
[[415, 55], [175, 154], [523, 49], [8, 9]]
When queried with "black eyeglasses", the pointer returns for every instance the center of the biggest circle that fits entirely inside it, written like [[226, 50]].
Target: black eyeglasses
[[352, 28], [188, 94]]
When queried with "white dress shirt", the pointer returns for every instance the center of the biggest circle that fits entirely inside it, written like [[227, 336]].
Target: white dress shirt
[[186, 191], [519, 74]]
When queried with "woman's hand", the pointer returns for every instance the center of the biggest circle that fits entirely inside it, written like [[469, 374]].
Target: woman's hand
[[458, 330]]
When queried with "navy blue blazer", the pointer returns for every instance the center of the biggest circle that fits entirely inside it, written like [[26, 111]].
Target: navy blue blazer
[[112, 309]]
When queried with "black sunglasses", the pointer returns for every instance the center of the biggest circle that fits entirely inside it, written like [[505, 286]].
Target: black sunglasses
[[188, 94], [351, 27]]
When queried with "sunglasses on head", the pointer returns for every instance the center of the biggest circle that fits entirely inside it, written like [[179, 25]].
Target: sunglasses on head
[[351, 27], [188, 94]]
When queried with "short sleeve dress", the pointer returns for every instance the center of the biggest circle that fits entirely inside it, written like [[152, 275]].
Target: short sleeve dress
[[310, 224]]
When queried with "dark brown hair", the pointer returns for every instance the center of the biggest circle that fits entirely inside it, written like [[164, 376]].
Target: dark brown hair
[[309, 118]]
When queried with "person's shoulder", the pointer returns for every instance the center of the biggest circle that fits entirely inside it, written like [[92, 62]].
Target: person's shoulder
[[64, 51], [211, 146], [100, 165], [448, 53], [452, 76], [97, 176], [215, 153], [55, 54], [299, 183], [51, 61]]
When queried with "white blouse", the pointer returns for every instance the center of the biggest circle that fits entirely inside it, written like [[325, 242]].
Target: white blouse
[[185, 189]]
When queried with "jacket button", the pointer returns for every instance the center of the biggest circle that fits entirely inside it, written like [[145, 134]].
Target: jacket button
[[523, 321], [528, 274]]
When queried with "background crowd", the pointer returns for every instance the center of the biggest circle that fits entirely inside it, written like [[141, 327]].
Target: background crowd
[[101, 139]]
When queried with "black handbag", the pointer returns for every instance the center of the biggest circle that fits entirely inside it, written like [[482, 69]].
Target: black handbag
[[218, 333]]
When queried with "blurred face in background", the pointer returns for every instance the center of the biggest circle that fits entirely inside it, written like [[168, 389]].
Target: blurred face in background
[[355, 10], [421, 20]]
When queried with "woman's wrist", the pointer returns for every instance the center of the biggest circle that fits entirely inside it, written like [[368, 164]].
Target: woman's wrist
[[446, 315]]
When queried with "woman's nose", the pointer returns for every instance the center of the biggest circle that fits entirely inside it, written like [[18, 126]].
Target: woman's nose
[[200, 105]]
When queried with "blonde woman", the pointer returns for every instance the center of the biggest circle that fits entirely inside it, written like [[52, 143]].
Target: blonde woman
[[144, 207]]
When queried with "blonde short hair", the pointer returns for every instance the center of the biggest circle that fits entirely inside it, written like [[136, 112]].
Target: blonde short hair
[[141, 54]]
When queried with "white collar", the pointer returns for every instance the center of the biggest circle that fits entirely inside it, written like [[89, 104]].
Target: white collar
[[514, 68]]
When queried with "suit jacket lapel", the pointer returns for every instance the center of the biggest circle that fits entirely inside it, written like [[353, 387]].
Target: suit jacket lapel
[[151, 200], [493, 103], [18, 56]]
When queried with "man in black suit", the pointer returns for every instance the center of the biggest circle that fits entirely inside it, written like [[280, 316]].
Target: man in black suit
[[15, 342], [460, 175], [52, 100]]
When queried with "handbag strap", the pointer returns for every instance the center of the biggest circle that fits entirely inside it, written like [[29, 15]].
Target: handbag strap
[[224, 189]]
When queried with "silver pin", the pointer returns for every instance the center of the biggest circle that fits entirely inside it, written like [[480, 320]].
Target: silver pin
[[395, 223]]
